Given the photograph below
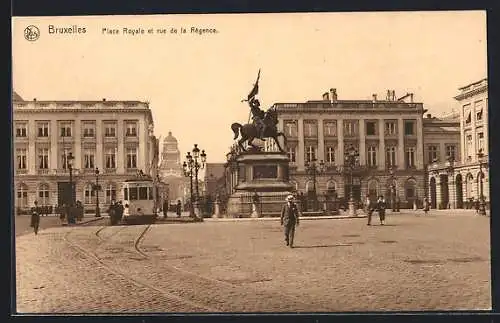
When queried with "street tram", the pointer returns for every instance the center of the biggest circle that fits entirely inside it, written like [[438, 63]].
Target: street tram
[[140, 200]]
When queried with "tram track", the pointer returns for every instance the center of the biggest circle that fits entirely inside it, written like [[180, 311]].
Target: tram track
[[175, 301]]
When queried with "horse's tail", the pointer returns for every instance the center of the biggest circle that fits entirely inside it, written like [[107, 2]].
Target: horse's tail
[[236, 127]]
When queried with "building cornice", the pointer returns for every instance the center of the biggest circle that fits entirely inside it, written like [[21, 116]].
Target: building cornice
[[471, 93]]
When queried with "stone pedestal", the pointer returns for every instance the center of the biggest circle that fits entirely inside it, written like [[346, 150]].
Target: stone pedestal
[[352, 209], [216, 214], [262, 184]]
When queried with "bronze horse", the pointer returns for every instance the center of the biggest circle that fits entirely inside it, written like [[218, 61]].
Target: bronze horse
[[249, 131]]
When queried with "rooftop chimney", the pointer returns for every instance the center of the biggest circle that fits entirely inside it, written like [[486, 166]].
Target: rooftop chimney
[[374, 97], [429, 115], [411, 97], [333, 92], [388, 96]]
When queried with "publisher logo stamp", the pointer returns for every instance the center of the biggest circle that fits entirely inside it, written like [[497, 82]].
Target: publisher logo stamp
[[31, 33]]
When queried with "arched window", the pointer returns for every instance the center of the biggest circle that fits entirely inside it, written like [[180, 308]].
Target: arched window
[[309, 186], [331, 186], [22, 195], [469, 179], [410, 189], [110, 192], [480, 180], [373, 189], [43, 194], [89, 194]]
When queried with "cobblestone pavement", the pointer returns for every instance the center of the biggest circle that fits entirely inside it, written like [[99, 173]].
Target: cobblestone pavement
[[435, 262]]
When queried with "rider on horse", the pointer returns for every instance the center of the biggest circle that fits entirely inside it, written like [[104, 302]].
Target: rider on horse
[[258, 117]]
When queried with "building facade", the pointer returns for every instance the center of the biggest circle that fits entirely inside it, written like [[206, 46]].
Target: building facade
[[170, 169], [455, 183], [387, 136], [114, 136]]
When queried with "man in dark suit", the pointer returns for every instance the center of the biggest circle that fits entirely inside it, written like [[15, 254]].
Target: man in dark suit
[[289, 219]]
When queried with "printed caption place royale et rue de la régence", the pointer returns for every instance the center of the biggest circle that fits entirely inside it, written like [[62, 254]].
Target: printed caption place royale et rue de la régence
[[75, 30]]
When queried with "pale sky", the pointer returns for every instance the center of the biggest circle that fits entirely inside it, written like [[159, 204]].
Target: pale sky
[[195, 83]]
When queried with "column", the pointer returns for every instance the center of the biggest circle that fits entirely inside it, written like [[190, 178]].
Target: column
[[452, 196], [401, 145], [99, 158], [120, 156], [362, 142], [463, 140], [32, 160], [420, 144], [474, 151], [340, 142], [53, 144], [442, 152], [77, 153], [142, 130], [301, 152], [438, 192], [381, 145], [321, 140]]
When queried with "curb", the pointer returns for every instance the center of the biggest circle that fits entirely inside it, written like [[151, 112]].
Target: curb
[[302, 218]]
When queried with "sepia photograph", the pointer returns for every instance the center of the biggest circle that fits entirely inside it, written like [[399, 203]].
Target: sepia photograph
[[251, 163]]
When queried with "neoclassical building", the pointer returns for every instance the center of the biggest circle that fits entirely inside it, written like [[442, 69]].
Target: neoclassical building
[[114, 136], [170, 170], [452, 183], [386, 134]]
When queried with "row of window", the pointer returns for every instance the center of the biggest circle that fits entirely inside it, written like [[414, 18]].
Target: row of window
[[478, 109], [433, 153], [66, 129], [371, 157], [43, 195], [480, 144], [350, 128], [43, 154]]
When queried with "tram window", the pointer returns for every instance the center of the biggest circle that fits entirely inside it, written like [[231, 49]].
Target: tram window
[[143, 193], [150, 193], [125, 193], [133, 193]]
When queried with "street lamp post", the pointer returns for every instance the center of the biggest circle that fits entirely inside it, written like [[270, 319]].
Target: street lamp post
[[69, 162], [191, 167], [314, 169], [97, 188], [350, 160], [393, 189], [482, 207]]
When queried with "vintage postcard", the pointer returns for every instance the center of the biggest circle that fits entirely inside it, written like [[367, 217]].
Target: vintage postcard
[[237, 163]]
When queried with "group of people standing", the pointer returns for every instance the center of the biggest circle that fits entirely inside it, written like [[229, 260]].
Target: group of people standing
[[115, 212], [379, 205]]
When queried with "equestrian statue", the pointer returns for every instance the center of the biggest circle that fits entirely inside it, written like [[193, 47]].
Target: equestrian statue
[[264, 124]]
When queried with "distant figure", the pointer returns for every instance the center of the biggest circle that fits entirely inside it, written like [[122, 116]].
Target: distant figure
[[35, 217], [289, 219], [178, 208], [426, 206], [370, 207], [381, 205], [165, 208]]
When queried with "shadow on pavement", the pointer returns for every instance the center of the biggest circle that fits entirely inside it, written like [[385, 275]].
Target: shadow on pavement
[[325, 246]]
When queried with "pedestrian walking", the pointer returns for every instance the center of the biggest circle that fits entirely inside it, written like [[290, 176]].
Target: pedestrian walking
[[426, 206], [289, 219], [119, 211], [370, 206], [476, 205], [165, 208], [35, 217], [178, 208], [112, 213], [381, 206]]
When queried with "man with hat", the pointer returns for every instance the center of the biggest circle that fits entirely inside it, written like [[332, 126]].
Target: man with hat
[[289, 219]]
